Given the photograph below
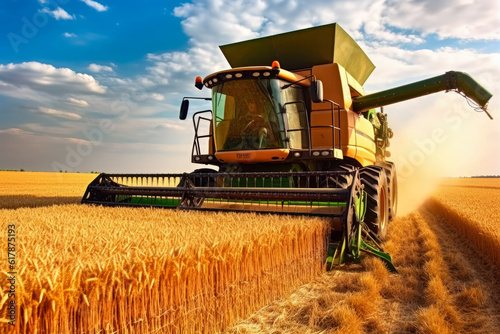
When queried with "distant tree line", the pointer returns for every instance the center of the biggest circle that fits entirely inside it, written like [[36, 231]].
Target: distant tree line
[[486, 176], [60, 171]]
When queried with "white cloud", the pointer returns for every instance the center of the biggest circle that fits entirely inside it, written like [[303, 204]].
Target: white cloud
[[59, 113], [69, 35], [96, 5], [375, 18], [33, 80], [170, 126], [157, 97], [447, 18], [99, 68], [378, 29], [179, 69], [58, 13], [59, 131], [16, 131], [80, 103]]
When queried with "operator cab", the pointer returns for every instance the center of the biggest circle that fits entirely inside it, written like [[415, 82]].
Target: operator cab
[[259, 114], [248, 114]]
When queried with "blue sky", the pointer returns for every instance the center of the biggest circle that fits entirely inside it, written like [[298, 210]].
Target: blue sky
[[119, 32], [96, 85]]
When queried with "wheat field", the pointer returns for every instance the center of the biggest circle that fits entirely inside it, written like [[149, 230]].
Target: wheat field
[[86, 269], [33, 189], [472, 206]]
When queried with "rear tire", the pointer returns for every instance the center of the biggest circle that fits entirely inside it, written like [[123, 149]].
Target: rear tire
[[392, 182], [374, 180]]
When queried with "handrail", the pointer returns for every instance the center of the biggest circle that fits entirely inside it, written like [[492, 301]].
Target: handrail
[[196, 125]]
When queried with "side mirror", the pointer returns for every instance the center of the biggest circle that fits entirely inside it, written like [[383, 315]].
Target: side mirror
[[184, 109], [316, 90]]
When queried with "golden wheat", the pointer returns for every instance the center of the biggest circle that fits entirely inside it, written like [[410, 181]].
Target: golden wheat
[[33, 189], [471, 182], [472, 206], [86, 269]]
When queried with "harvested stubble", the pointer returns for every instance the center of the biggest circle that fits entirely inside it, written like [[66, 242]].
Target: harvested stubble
[[440, 288], [86, 269], [472, 206]]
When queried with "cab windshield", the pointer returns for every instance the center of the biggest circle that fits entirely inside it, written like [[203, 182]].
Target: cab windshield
[[247, 115]]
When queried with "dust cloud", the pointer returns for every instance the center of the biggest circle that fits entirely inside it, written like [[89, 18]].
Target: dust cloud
[[415, 190]]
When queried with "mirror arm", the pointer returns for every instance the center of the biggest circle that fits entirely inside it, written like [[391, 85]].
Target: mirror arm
[[185, 105]]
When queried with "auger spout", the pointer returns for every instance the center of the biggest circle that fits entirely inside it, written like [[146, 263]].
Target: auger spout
[[450, 81]]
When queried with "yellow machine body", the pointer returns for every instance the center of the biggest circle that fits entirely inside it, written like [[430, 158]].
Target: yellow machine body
[[356, 133]]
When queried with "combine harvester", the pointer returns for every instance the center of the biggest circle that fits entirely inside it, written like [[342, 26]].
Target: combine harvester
[[299, 137]]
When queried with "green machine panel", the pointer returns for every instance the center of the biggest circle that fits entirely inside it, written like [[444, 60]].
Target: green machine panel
[[303, 49]]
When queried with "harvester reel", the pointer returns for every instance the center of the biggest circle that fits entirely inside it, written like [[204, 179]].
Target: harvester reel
[[341, 180], [186, 200], [192, 180], [103, 197], [374, 180]]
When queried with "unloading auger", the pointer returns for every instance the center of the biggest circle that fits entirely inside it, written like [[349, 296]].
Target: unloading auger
[[301, 141]]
